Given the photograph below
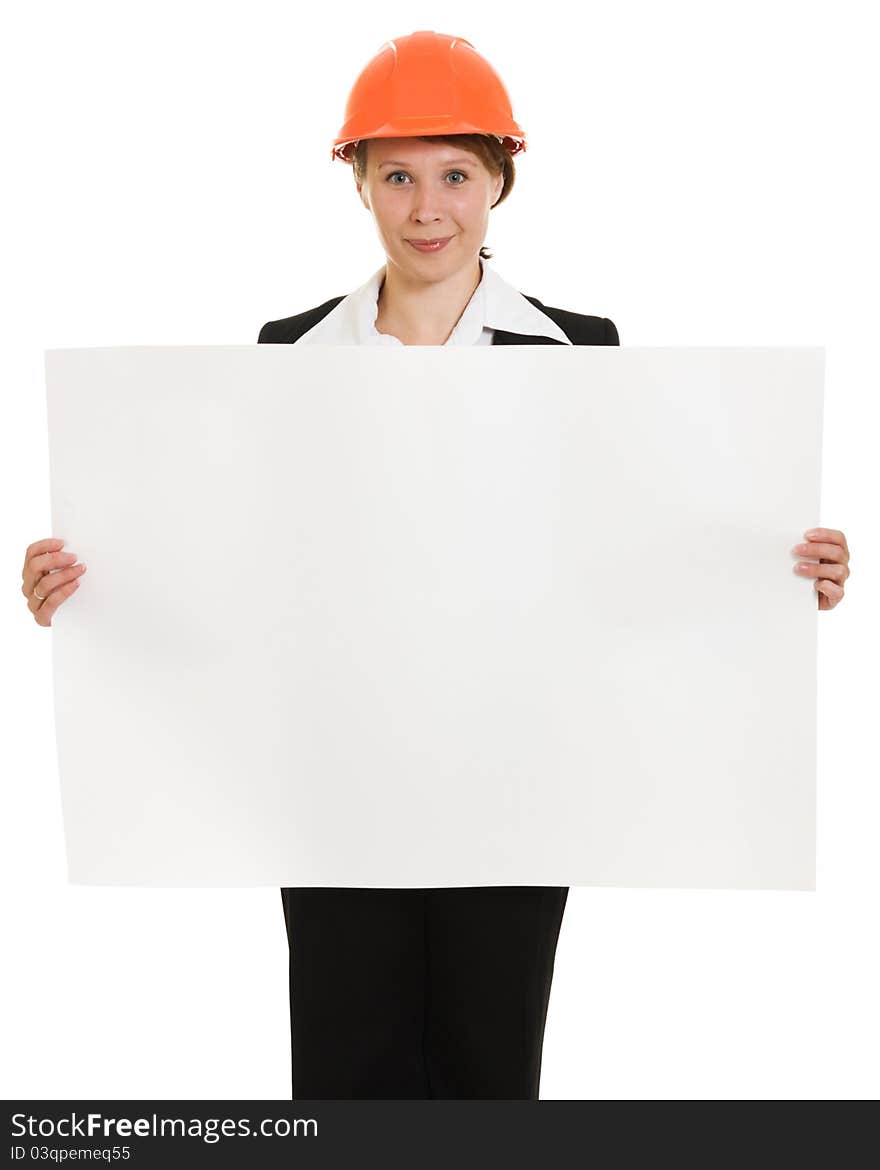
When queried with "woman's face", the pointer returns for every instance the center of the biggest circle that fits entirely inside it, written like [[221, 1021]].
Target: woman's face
[[425, 191]]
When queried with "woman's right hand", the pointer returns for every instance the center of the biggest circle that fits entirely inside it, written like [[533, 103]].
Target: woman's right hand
[[52, 587]]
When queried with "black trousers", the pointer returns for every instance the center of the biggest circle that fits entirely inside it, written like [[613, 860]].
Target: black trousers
[[420, 993]]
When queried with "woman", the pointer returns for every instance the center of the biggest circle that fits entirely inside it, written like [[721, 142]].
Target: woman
[[420, 993]]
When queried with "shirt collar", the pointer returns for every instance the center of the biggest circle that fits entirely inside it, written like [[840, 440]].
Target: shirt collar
[[495, 304]]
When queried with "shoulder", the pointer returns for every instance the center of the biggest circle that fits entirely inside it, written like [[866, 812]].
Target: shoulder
[[580, 328], [289, 329]]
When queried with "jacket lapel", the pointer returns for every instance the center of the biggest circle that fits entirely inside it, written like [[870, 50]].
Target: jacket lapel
[[502, 337]]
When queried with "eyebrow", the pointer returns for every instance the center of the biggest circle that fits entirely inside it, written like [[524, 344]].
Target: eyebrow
[[449, 162]]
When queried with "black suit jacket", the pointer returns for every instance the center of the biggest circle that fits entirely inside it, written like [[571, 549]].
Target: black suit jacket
[[577, 327]]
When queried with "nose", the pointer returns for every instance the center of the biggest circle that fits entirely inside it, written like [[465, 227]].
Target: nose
[[427, 208]]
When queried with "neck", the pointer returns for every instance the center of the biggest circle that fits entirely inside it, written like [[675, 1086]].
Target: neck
[[422, 312]]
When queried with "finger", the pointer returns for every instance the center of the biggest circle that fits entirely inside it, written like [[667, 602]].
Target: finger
[[38, 566], [828, 552], [45, 609], [41, 546], [49, 582], [834, 571], [829, 536], [830, 589]]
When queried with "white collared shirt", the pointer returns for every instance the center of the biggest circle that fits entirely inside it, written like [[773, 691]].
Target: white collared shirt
[[495, 304]]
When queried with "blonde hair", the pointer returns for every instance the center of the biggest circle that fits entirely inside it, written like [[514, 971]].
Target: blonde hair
[[486, 147]]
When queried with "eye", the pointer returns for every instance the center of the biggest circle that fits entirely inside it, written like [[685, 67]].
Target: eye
[[395, 173]]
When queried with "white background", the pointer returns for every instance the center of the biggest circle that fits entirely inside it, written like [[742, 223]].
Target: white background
[[703, 174]]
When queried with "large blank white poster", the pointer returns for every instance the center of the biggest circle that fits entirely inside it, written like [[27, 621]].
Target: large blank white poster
[[436, 616]]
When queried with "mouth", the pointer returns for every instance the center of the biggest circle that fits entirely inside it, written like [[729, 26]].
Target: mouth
[[430, 245]]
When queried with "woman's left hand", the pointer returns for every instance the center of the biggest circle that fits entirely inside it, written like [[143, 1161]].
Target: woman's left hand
[[831, 548]]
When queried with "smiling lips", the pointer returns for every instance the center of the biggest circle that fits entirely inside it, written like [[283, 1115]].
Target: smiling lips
[[430, 245]]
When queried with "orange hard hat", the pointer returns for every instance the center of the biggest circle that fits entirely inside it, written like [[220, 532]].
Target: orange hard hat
[[427, 83]]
